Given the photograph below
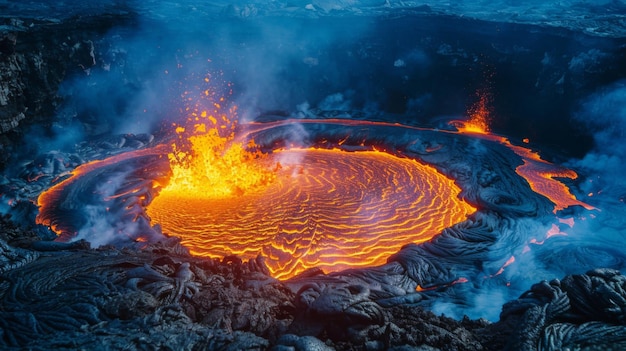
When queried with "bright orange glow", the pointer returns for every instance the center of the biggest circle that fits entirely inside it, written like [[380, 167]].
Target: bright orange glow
[[215, 167], [205, 160], [329, 209]]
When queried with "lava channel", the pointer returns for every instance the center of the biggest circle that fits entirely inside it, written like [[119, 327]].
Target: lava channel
[[326, 208]]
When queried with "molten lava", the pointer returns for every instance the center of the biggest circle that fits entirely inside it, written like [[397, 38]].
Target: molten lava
[[300, 208], [216, 167], [329, 209]]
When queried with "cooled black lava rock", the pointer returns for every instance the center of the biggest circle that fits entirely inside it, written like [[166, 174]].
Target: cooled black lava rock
[[92, 298]]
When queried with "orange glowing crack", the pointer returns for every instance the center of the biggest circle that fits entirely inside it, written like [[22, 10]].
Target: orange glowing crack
[[309, 215], [460, 280]]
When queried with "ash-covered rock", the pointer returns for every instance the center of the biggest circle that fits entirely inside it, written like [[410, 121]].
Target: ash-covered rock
[[12, 257], [159, 297], [86, 298], [101, 147]]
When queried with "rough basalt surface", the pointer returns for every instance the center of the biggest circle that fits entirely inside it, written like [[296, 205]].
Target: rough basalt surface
[[160, 297]]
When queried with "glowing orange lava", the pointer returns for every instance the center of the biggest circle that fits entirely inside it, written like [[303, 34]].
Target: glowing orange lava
[[329, 209], [304, 208], [205, 160]]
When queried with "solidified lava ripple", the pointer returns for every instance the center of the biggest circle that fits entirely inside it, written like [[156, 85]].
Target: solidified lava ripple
[[329, 209]]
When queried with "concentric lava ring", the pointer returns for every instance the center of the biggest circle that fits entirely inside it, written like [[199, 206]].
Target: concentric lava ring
[[329, 209]]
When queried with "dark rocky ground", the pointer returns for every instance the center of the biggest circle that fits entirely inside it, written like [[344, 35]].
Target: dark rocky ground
[[70, 296]]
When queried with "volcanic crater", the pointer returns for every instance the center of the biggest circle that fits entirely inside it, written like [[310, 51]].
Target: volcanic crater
[[385, 216]]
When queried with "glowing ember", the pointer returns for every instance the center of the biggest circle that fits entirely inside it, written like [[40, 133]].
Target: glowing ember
[[329, 209]]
